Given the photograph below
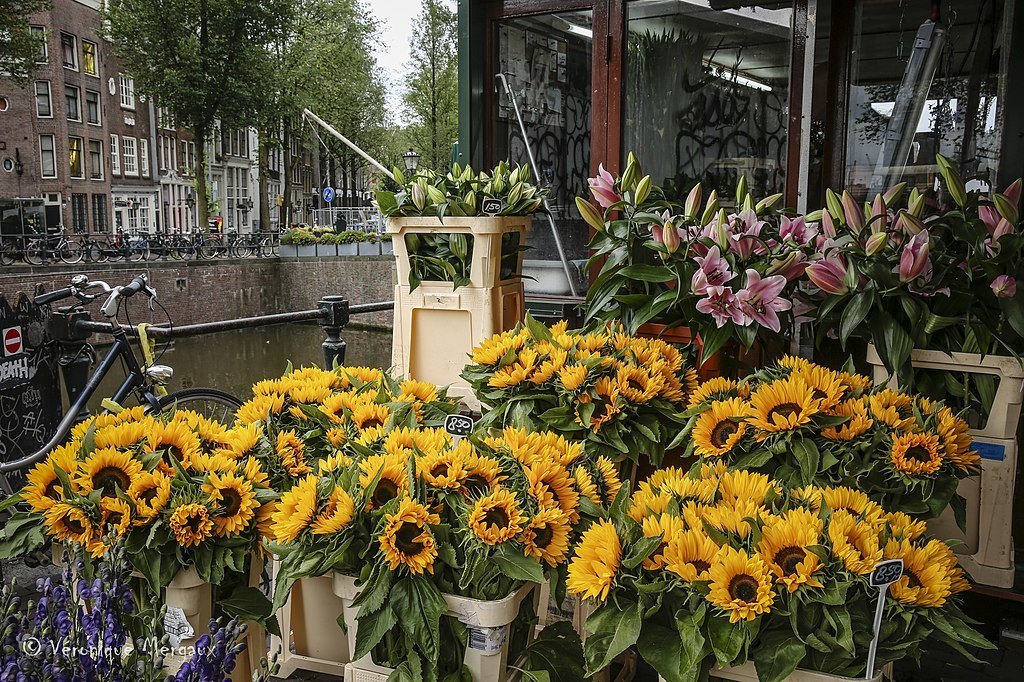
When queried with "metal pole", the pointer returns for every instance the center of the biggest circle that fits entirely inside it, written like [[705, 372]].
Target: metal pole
[[352, 145], [536, 175], [335, 311]]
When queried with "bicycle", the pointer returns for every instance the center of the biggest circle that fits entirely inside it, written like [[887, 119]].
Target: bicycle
[[55, 246], [144, 382]]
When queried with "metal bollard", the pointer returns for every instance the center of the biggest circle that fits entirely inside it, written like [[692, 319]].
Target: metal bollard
[[335, 318]]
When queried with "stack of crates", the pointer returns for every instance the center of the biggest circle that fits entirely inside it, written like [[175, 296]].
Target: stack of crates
[[987, 550], [436, 325], [313, 640]]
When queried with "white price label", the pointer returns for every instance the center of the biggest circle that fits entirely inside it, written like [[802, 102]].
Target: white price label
[[177, 627], [488, 639]]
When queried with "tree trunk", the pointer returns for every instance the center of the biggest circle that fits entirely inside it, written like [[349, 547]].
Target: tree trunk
[[202, 200], [287, 166], [264, 168]]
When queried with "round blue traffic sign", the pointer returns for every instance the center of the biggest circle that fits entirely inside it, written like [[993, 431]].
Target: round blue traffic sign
[[328, 194]]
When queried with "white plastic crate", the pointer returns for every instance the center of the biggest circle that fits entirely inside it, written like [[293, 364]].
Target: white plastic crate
[[488, 622], [309, 622], [987, 551], [747, 673]]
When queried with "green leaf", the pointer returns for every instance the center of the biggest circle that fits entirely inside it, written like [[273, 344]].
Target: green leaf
[[808, 457], [727, 640], [557, 652], [855, 313], [372, 628], [612, 631], [248, 603], [517, 565], [647, 273], [777, 655], [640, 550], [418, 605], [663, 648]]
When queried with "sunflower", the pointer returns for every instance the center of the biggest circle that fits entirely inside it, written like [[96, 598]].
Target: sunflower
[[858, 423], [335, 462], [308, 393], [740, 584], [720, 428], [605, 401], [666, 526], [337, 437], [690, 555], [684, 488], [492, 350], [925, 581], [550, 367], [482, 473], [745, 486], [392, 482], [221, 460], [68, 523], [517, 372], [736, 519], [940, 553], [794, 363], [191, 524], [916, 454], [783, 405], [854, 542], [639, 385], [546, 536], [370, 415], [260, 408], [359, 375], [854, 502], [371, 437], [585, 485], [412, 390], [115, 516], [124, 435], [715, 389], [335, 405], [893, 408], [595, 562], [406, 540], [295, 510], [784, 548], [573, 377], [265, 519], [552, 487], [43, 489], [234, 503], [957, 442], [825, 384], [149, 492], [244, 438], [856, 385], [497, 517], [648, 502], [336, 514], [904, 527], [108, 470], [292, 453], [444, 470]]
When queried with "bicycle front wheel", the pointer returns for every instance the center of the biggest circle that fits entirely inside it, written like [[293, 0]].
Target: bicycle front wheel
[[71, 253], [209, 402], [35, 253]]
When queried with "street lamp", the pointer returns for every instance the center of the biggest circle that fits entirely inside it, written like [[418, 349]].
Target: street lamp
[[190, 201], [412, 160]]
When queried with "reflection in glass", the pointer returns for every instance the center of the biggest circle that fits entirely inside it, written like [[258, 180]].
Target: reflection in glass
[[706, 92]]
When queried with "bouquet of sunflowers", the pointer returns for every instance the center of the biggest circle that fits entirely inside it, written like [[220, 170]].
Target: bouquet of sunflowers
[[620, 394], [715, 568], [803, 423], [415, 517], [180, 490]]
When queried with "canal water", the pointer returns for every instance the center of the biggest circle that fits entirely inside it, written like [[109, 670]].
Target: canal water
[[234, 361]]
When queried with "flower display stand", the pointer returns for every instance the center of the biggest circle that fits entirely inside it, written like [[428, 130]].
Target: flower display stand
[[987, 549], [309, 623], [487, 653], [747, 673], [436, 325]]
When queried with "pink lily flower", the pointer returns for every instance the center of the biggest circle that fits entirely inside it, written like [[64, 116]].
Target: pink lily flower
[[1004, 286], [797, 230], [791, 266], [915, 260], [760, 300], [746, 229], [714, 272], [1013, 192], [829, 275], [990, 216], [603, 188], [721, 304]]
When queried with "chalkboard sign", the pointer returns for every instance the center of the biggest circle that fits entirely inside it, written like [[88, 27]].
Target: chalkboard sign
[[30, 397], [458, 425], [492, 207], [886, 573]]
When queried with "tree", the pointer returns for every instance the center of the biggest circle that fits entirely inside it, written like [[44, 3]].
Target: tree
[[431, 97], [203, 60], [18, 46]]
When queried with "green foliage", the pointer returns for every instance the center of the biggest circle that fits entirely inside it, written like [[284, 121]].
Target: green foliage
[[431, 95], [18, 47]]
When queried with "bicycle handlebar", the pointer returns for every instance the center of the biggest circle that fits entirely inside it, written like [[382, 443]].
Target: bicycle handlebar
[[43, 299]]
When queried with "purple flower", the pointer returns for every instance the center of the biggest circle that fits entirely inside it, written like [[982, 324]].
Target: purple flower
[[829, 275], [603, 188], [760, 300], [721, 304], [915, 260], [714, 272], [1004, 286]]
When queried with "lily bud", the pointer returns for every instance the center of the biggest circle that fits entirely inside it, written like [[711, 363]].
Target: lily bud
[[916, 204], [741, 190], [671, 237], [590, 214], [879, 214], [893, 194], [853, 212], [693, 202], [829, 275], [1013, 192], [768, 203], [828, 225], [834, 203], [643, 189], [419, 197], [1006, 207], [710, 209], [875, 243]]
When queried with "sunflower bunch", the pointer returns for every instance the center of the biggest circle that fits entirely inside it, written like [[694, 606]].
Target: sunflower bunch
[[310, 415], [716, 567], [619, 394], [803, 423], [179, 490]]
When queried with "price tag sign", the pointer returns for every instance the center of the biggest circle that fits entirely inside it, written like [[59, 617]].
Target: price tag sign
[[883, 575], [458, 426], [492, 207]]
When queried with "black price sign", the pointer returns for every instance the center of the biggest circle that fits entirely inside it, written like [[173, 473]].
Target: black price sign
[[492, 207], [458, 425], [887, 572]]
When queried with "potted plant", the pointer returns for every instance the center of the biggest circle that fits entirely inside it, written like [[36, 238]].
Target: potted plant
[[387, 248], [347, 243], [713, 571], [368, 243], [725, 278], [287, 248], [327, 245], [305, 242]]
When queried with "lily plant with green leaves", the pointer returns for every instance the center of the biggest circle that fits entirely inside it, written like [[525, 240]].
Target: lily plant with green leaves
[[913, 276]]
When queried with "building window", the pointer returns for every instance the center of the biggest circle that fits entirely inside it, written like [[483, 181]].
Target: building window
[[39, 33], [144, 157], [115, 155], [144, 217], [72, 98], [95, 159], [75, 162], [44, 108], [47, 157], [131, 159], [92, 107], [80, 213], [69, 51], [90, 64], [127, 92], [188, 155], [99, 212]]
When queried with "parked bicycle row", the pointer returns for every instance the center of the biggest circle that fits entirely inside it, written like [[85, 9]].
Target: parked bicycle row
[[60, 247]]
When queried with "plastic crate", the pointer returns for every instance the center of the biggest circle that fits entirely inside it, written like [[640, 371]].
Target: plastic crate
[[487, 654], [987, 550], [309, 621], [747, 673]]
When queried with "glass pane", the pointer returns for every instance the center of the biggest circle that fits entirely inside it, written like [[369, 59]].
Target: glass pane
[[920, 88], [706, 93], [547, 60]]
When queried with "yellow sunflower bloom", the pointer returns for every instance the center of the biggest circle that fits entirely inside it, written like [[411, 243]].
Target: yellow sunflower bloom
[[407, 541], [43, 489], [720, 428], [858, 423], [916, 454], [715, 389], [552, 487], [115, 517], [445, 470], [854, 542], [482, 473], [893, 408], [412, 390], [191, 524], [741, 585], [233, 501], [667, 526], [124, 435], [925, 582], [68, 523], [292, 453], [573, 377], [745, 486], [295, 510], [336, 514], [855, 502], [957, 442], [260, 408], [335, 462], [638, 385], [546, 536], [904, 527], [497, 517], [370, 415], [605, 401], [734, 519], [149, 492], [596, 562], [784, 548], [108, 470], [690, 555], [783, 405], [392, 483], [647, 502], [609, 477], [794, 363], [826, 385], [586, 486]]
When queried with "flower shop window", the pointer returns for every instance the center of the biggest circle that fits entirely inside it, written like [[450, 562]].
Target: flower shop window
[[547, 59], [925, 80], [706, 91]]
